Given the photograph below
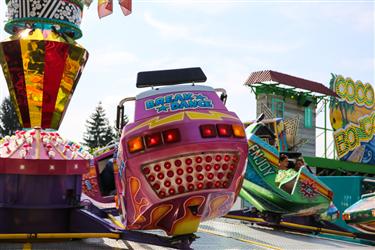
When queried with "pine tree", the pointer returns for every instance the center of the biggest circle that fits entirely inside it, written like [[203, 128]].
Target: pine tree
[[98, 131], [8, 117]]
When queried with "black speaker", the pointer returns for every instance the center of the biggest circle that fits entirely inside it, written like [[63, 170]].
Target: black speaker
[[304, 100]]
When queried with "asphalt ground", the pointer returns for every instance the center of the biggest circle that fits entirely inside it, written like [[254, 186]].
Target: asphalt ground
[[216, 234]]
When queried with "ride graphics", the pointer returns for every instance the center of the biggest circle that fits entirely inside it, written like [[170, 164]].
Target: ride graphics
[[352, 118]]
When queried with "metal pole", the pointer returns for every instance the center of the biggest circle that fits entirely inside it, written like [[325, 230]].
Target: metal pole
[[325, 128], [334, 147]]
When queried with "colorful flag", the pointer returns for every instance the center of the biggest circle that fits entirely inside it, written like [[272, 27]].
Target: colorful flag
[[126, 6], [105, 8]]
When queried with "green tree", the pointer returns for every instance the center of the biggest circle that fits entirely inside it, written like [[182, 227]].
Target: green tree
[[98, 131], [8, 118]]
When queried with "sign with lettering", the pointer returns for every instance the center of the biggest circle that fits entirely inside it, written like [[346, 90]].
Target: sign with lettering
[[256, 155], [352, 118], [180, 101]]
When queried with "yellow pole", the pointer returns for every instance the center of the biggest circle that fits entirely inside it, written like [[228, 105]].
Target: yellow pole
[[59, 236]]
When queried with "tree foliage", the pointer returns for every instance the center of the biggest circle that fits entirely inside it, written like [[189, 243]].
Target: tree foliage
[[98, 131], [8, 118]]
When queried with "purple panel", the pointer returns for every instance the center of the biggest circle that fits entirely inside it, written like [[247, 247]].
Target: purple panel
[[34, 191], [15, 220]]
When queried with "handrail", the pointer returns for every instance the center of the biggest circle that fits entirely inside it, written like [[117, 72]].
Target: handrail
[[108, 146], [223, 96], [120, 112]]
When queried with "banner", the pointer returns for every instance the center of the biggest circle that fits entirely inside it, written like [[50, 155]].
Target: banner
[[352, 117]]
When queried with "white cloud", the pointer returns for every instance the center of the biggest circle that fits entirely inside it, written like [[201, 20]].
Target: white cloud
[[210, 7], [167, 29], [356, 15], [105, 59], [173, 31]]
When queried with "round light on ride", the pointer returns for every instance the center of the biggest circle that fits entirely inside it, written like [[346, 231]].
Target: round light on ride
[[238, 131], [199, 168], [369, 95], [181, 189], [224, 130], [360, 92], [153, 140], [189, 178], [167, 165], [340, 87], [170, 173], [171, 136], [177, 163], [208, 131], [135, 144], [227, 158], [189, 170], [208, 158], [198, 159], [188, 161], [171, 191], [208, 167], [178, 181], [156, 186], [180, 171], [167, 183], [157, 168], [146, 171], [350, 94], [151, 178]]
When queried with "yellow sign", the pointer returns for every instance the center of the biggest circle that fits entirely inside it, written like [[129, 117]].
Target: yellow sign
[[352, 118]]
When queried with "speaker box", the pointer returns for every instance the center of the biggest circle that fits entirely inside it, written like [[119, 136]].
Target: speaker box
[[304, 101]]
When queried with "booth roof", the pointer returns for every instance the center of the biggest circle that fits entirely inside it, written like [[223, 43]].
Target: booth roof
[[296, 82]]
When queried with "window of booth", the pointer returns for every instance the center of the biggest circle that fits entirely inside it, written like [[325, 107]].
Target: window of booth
[[278, 107], [308, 117]]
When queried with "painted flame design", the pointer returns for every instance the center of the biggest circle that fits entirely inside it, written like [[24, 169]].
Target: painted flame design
[[135, 186]]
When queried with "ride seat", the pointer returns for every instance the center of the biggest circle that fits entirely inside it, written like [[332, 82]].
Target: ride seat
[[107, 179], [289, 186]]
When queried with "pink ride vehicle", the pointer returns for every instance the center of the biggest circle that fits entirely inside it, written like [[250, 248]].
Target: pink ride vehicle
[[182, 159]]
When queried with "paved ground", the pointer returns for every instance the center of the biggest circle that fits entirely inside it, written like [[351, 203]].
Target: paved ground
[[216, 234]]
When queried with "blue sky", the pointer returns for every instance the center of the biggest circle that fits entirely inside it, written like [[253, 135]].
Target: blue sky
[[228, 39]]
